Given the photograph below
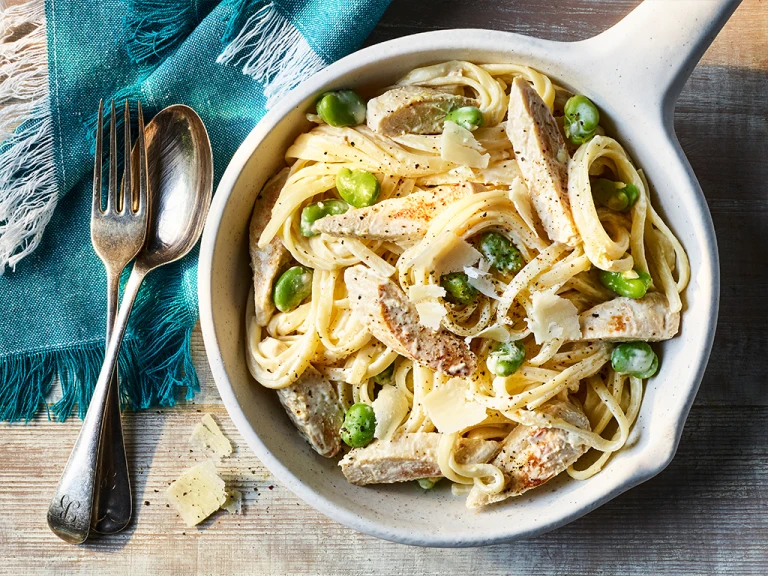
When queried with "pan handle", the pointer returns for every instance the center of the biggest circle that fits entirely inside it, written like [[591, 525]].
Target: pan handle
[[648, 56]]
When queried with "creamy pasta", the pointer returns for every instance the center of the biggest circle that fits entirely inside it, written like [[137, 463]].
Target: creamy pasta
[[532, 236]]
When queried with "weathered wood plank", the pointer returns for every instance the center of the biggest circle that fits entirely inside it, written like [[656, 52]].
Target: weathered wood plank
[[707, 513], [722, 126]]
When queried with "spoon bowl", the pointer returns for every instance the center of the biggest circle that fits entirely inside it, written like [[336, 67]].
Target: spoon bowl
[[180, 172]]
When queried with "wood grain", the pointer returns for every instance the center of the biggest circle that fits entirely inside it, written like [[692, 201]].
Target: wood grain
[[706, 514]]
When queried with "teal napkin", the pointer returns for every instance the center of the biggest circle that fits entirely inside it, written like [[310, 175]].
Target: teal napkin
[[228, 61]]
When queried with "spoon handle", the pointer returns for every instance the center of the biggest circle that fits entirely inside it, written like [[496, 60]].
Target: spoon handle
[[71, 509], [112, 498]]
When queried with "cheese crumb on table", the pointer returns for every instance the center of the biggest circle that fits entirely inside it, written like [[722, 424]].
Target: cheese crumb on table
[[208, 437], [197, 493], [234, 503]]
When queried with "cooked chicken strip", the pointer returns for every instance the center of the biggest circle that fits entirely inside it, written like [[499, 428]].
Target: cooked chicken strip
[[531, 456], [267, 262], [401, 220], [409, 457], [623, 319], [312, 403], [392, 318], [412, 110], [543, 159]]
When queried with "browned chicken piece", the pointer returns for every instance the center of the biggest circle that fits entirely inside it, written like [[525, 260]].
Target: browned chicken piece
[[409, 457], [412, 110], [388, 314], [313, 405], [625, 319], [266, 263], [531, 456], [401, 220], [543, 159]]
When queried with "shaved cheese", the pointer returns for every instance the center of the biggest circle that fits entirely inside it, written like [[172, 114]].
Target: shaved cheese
[[447, 253], [481, 281], [521, 198], [431, 313], [457, 258], [197, 493], [553, 318], [423, 291], [207, 436], [459, 146], [449, 409], [390, 408]]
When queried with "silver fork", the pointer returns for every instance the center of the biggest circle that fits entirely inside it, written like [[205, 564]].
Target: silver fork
[[96, 474]]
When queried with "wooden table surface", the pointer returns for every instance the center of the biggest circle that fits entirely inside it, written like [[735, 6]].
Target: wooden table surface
[[705, 514]]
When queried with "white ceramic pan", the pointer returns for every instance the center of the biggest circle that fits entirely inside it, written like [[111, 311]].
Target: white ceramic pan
[[634, 72]]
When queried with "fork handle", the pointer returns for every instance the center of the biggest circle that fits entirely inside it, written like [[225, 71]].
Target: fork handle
[[71, 509], [113, 500]]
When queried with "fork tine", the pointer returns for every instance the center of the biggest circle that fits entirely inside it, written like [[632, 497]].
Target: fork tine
[[112, 193], [127, 196], [96, 208], [143, 199]]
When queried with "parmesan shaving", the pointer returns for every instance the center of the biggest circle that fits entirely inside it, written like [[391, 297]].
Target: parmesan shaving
[[460, 256], [390, 408], [431, 313], [197, 493], [481, 281], [423, 291], [449, 409], [447, 253], [208, 437], [459, 146], [553, 318]]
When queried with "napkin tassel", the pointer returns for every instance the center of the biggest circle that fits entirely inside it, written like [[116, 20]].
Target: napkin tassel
[[28, 190], [157, 27], [155, 363], [269, 48]]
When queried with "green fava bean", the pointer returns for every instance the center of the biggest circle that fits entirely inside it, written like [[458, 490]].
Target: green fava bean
[[635, 358], [506, 358], [359, 425], [341, 108], [292, 288], [632, 194], [385, 376], [469, 117], [314, 212], [615, 195], [428, 483], [458, 288], [500, 252], [624, 284], [608, 194], [358, 187], [581, 119]]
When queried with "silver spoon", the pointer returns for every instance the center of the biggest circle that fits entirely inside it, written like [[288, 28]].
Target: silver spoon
[[180, 171]]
